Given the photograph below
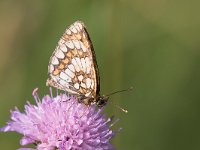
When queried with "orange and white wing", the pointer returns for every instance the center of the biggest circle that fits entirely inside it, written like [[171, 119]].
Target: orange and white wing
[[72, 66]]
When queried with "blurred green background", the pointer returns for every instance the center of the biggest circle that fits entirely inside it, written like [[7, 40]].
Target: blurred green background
[[152, 45]]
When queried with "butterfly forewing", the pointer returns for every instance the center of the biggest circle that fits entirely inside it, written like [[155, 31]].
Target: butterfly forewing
[[72, 66]]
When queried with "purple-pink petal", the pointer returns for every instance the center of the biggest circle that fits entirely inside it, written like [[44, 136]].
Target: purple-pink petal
[[61, 122]]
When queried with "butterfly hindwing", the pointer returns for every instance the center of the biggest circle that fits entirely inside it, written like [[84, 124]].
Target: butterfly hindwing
[[72, 66]]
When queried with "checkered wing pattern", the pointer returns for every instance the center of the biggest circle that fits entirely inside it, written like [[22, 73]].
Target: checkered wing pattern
[[72, 66]]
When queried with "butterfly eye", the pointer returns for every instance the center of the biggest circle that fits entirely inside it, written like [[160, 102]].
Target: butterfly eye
[[102, 101]]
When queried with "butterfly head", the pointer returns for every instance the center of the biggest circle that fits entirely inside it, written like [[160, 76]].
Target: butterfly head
[[102, 100]]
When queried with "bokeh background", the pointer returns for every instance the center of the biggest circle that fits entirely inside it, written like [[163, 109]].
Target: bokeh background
[[151, 45]]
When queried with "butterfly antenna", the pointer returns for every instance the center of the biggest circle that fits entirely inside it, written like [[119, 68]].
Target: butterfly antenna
[[122, 109], [125, 90]]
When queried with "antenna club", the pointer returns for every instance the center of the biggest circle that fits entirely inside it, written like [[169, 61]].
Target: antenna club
[[126, 111], [122, 109]]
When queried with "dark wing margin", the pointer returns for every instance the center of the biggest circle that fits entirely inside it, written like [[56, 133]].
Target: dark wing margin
[[95, 64]]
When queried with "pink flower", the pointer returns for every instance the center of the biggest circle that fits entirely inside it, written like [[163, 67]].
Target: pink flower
[[61, 123]]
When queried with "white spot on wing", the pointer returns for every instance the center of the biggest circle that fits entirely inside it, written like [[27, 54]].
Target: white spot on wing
[[63, 48], [80, 78], [80, 26], [77, 44], [88, 82], [54, 60], [65, 77], [76, 85], [69, 44], [73, 29], [68, 32], [83, 47], [83, 85], [92, 84], [55, 78], [71, 67], [69, 73], [79, 62], [64, 83], [88, 64], [83, 64], [76, 24], [51, 68], [75, 65], [59, 54], [66, 86], [87, 94], [61, 41]]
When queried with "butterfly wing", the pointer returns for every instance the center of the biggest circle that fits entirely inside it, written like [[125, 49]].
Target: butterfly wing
[[72, 66]]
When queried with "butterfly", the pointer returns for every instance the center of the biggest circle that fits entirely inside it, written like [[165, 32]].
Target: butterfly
[[73, 67]]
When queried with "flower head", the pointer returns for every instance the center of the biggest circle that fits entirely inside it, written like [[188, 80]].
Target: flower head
[[62, 123]]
